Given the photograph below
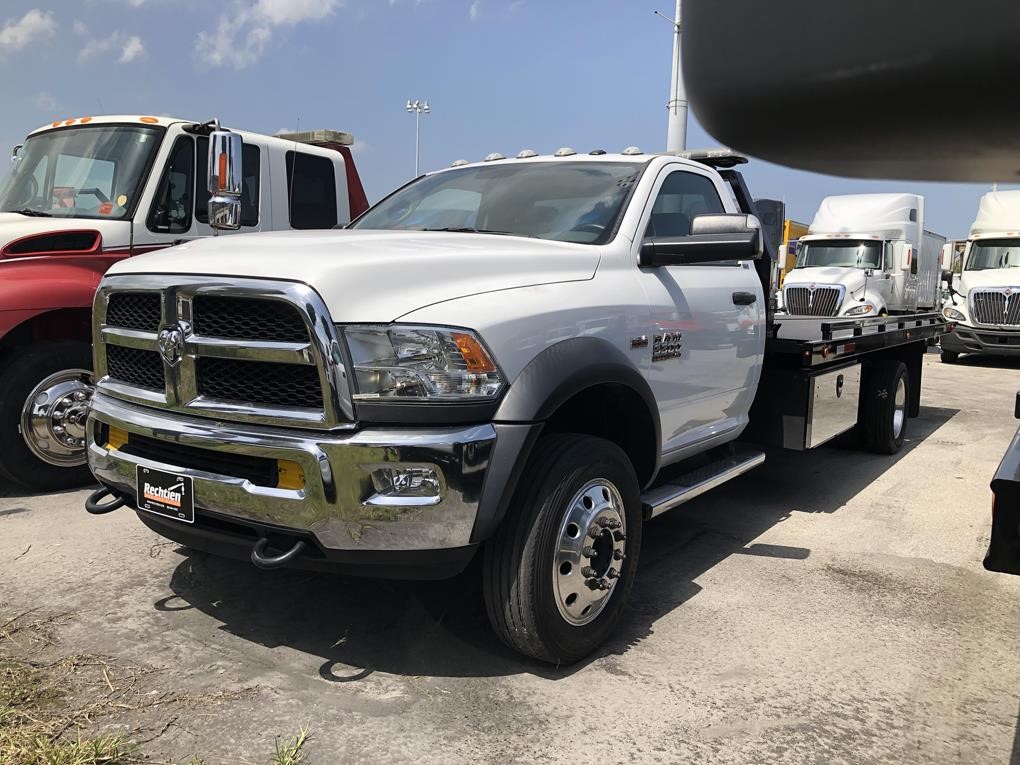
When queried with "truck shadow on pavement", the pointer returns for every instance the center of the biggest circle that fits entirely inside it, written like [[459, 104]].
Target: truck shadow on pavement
[[355, 627]]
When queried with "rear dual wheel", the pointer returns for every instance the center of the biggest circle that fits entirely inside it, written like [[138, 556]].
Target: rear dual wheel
[[559, 571]]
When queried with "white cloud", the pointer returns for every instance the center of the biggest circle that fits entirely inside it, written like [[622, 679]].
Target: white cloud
[[133, 48], [474, 10], [240, 37], [34, 25], [44, 102], [80, 28]]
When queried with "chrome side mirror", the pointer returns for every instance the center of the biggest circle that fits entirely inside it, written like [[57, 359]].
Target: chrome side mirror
[[224, 182]]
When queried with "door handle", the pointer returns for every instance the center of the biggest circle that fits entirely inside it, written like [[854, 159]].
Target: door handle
[[744, 298]]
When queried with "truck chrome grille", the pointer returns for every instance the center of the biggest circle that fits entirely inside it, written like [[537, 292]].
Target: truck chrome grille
[[134, 310], [135, 367], [248, 319], [998, 307], [259, 382], [246, 350], [821, 301]]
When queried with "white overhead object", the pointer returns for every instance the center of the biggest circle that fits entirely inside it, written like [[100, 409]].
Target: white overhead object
[[565, 151], [459, 163], [494, 156], [999, 211], [526, 154], [888, 216], [631, 151]]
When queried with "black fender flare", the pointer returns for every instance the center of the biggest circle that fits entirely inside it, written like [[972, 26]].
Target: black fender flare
[[546, 383]]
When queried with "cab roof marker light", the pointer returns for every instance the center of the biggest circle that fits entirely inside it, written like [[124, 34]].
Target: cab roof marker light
[[526, 154], [459, 163], [494, 157], [597, 152], [632, 151], [564, 151]]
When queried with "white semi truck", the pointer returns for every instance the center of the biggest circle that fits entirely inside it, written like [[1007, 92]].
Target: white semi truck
[[984, 298], [866, 255], [522, 359]]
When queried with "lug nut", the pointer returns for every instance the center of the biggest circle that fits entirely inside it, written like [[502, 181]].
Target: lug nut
[[588, 571], [79, 395], [605, 522], [594, 533], [618, 555], [619, 536], [612, 573], [590, 552], [58, 429]]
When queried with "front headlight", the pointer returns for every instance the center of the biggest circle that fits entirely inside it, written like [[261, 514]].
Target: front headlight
[[421, 363], [953, 315], [860, 310]]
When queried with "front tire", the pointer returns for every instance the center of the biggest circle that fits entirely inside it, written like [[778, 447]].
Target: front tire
[[886, 393], [55, 367], [949, 357], [546, 594]]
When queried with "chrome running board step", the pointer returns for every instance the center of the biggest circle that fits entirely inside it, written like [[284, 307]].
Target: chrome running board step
[[686, 487]]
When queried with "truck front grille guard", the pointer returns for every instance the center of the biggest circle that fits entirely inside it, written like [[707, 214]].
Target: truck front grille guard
[[311, 353], [996, 306]]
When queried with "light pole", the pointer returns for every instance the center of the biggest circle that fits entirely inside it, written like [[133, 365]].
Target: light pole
[[676, 138], [417, 108]]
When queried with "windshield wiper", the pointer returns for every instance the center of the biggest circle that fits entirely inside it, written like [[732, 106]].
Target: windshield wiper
[[469, 230], [33, 213]]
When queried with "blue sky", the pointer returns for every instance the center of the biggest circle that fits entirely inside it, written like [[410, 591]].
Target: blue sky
[[500, 75]]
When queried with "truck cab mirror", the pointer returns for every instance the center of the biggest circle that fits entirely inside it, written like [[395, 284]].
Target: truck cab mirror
[[713, 238], [16, 151], [224, 181]]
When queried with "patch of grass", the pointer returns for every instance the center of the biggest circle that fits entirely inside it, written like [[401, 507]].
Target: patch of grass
[[290, 752], [29, 749]]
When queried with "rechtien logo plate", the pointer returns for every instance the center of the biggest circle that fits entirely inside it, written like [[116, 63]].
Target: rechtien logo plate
[[167, 494]]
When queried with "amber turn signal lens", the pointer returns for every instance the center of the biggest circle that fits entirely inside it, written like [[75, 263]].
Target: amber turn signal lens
[[475, 356], [116, 438], [289, 475]]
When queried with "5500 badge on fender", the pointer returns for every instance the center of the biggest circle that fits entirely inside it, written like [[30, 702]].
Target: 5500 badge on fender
[[166, 494]]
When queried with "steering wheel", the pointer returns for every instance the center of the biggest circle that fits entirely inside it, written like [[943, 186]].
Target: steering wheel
[[94, 192], [31, 189], [592, 228]]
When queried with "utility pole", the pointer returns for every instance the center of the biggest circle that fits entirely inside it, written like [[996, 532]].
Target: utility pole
[[417, 108], [676, 137]]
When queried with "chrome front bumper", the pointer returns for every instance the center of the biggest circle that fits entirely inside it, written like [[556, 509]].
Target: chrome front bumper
[[338, 503]]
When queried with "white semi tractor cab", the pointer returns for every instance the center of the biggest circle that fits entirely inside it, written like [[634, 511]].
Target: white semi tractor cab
[[866, 255], [984, 298], [523, 359]]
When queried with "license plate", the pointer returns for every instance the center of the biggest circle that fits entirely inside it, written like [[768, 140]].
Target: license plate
[[167, 494]]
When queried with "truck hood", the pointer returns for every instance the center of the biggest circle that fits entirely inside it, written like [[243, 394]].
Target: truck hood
[[14, 226], [851, 278], [992, 277], [377, 276]]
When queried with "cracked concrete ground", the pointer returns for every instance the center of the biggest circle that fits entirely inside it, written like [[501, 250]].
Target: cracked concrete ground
[[829, 607]]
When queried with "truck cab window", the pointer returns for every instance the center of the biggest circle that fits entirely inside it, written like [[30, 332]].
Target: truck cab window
[[311, 188], [251, 168], [683, 195], [172, 205]]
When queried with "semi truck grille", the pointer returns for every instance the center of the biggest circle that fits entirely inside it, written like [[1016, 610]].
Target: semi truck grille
[[135, 366], [821, 301], [134, 310], [996, 307], [248, 319], [260, 382]]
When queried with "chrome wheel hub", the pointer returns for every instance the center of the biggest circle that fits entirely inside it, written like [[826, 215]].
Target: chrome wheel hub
[[899, 408], [589, 552], [53, 417]]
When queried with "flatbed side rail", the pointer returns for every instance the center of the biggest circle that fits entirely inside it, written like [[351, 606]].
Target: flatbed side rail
[[845, 339]]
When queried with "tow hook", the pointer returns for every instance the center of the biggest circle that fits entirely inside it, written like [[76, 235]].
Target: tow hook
[[92, 504], [269, 562]]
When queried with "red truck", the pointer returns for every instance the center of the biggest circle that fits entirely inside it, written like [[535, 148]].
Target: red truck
[[86, 192]]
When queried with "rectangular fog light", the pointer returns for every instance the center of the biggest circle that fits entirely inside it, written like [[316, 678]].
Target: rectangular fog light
[[405, 485]]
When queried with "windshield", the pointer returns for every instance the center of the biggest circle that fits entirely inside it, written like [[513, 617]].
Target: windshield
[[993, 253], [562, 201], [86, 172], [846, 254]]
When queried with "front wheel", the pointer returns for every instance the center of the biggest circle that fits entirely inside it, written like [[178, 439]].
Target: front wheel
[[44, 397], [949, 357], [559, 570]]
